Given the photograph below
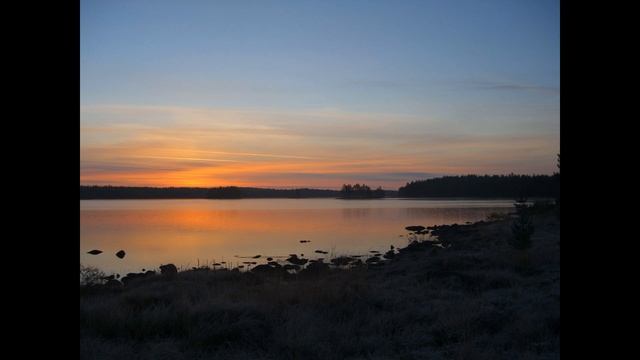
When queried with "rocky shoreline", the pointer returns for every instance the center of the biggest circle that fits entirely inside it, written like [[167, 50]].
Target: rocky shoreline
[[467, 295]]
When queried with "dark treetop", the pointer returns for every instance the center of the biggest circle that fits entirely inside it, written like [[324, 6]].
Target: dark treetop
[[229, 192], [500, 186]]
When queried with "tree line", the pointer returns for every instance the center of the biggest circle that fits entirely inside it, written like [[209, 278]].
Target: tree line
[[363, 191], [500, 186], [226, 192]]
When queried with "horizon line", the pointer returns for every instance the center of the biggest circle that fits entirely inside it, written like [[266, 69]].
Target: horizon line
[[227, 186], [314, 188]]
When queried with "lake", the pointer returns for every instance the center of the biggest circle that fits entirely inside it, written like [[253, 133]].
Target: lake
[[189, 233]]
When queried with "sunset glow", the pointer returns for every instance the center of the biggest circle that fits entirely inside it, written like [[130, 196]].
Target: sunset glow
[[169, 100], [201, 147]]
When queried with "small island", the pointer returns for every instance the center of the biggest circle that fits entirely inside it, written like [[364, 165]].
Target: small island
[[358, 191]]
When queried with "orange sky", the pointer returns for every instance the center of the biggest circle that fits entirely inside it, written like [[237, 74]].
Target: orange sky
[[179, 146], [298, 94]]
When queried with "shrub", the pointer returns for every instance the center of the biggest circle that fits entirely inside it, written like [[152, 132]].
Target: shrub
[[91, 276], [495, 216], [522, 227]]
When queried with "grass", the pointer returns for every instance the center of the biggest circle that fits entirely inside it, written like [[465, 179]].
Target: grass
[[469, 300]]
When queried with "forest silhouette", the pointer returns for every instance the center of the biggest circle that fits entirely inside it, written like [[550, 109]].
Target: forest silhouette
[[474, 186], [491, 186]]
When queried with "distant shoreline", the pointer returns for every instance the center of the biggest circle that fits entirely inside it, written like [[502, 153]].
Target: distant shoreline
[[448, 187], [335, 198], [229, 192]]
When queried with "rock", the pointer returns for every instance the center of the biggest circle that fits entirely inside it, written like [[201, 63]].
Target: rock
[[356, 262], [168, 269], [372, 260], [94, 252], [264, 269], [315, 267], [342, 260], [296, 260], [268, 270], [130, 277], [120, 254], [113, 284], [415, 228], [389, 254]]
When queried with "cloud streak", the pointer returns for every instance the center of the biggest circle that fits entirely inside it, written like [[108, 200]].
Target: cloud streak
[[506, 86], [184, 158], [174, 146], [257, 154]]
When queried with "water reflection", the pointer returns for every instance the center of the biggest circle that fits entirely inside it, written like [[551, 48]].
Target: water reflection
[[356, 213], [188, 232]]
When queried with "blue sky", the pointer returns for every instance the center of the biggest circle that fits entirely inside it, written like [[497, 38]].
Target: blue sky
[[319, 75]]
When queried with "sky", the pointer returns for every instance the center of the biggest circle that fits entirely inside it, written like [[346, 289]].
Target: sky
[[316, 93]]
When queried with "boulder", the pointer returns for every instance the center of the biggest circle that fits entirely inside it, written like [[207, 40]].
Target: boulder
[[130, 277], [294, 259], [415, 228], [372, 260], [389, 255], [168, 269], [268, 270], [315, 267], [342, 260], [113, 284]]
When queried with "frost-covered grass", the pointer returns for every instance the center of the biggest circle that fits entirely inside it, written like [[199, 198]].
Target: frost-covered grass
[[472, 300]]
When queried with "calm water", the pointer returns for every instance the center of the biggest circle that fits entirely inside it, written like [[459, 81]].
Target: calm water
[[188, 232]]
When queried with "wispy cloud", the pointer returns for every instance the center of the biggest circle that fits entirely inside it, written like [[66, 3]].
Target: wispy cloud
[[257, 154], [166, 146], [510, 86], [184, 158], [380, 83]]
